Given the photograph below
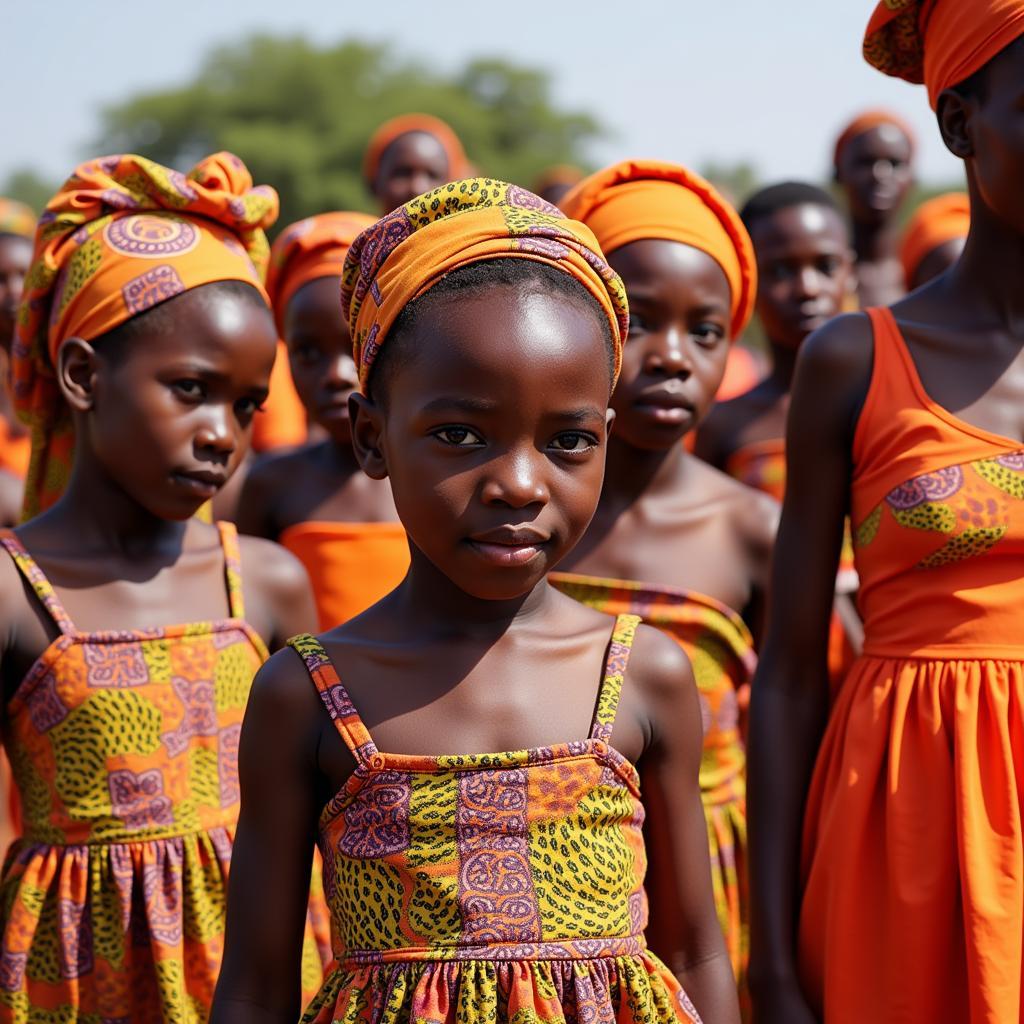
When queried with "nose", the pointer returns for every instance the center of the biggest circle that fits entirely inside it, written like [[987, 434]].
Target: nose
[[215, 435], [422, 181], [517, 479], [808, 283], [341, 374], [881, 170], [668, 354]]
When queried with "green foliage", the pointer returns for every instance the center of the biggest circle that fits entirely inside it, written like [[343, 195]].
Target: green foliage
[[301, 116], [27, 187]]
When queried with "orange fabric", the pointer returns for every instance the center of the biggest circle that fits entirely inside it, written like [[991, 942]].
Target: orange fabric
[[309, 249], [934, 223], [412, 248], [351, 565], [282, 422], [864, 123], [638, 199], [16, 218], [940, 42], [394, 129], [742, 372], [123, 234], [912, 844], [14, 451]]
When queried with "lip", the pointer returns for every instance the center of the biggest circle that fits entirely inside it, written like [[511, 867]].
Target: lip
[[203, 483], [665, 405], [508, 546]]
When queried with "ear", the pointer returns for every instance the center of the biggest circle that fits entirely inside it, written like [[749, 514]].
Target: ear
[[953, 113], [367, 431], [609, 421], [77, 365]]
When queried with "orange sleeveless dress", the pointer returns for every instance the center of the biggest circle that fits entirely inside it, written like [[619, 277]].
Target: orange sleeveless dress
[[351, 565], [913, 862], [124, 747], [504, 888]]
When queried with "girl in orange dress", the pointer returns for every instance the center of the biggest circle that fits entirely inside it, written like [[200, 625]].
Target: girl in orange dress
[[470, 886], [904, 899], [17, 225], [317, 502], [132, 631]]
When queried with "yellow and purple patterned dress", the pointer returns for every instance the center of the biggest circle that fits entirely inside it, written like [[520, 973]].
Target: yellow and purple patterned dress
[[493, 887], [124, 749], [721, 650]]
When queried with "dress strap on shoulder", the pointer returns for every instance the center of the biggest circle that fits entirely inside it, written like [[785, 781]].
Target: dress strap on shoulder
[[335, 697], [614, 673], [42, 587], [232, 568]]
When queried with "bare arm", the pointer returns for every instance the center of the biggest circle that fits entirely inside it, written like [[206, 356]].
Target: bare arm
[[278, 582], [790, 691], [671, 764], [270, 866]]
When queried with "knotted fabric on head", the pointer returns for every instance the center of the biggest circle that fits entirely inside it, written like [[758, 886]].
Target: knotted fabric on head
[[309, 249], [940, 42], [412, 248], [16, 218], [394, 129], [864, 123], [934, 223], [122, 235], [639, 199]]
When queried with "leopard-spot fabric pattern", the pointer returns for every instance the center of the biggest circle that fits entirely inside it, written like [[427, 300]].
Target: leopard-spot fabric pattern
[[124, 750], [501, 887]]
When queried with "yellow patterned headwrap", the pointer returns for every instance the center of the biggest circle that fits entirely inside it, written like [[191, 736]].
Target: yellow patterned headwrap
[[122, 235], [412, 248]]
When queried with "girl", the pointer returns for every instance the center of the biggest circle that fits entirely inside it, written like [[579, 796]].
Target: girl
[[907, 899], [17, 225], [340, 523], [467, 886], [674, 540], [143, 351]]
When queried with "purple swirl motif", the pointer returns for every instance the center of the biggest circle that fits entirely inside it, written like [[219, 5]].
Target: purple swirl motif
[[199, 701], [542, 247], [151, 235], [116, 666], [181, 185], [1014, 461], [936, 486], [12, 970], [161, 887], [75, 923], [518, 196], [377, 822], [139, 800], [45, 708]]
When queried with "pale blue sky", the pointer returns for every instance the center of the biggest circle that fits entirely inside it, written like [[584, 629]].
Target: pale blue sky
[[690, 81]]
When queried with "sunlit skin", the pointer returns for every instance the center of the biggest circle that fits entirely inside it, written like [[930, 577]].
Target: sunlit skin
[[414, 163], [493, 436], [158, 430], [875, 173], [334, 487], [963, 333], [666, 517], [805, 273]]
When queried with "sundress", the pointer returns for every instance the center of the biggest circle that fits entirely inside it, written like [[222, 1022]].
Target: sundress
[[124, 749], [490, 887]]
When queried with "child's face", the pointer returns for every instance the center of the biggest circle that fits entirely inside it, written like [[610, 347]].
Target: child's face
[[494, 434], [170, 418], [15, 257], [675, 356], [876, 172], [414, 163], [804, 270], [320, 355]]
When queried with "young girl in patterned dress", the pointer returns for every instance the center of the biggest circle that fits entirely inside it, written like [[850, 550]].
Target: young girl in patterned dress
[[144, 348], [466, 886]]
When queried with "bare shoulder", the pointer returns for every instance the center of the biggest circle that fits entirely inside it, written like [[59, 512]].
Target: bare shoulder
[[719, 435], [660, 671], [284, 701], [271, 570], [839, 353], [12, 599], [10, 498]]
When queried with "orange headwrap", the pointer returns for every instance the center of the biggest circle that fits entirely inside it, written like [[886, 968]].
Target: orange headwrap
[[122, 235], [864, 123], [16, 218], [940, 42], [394, 129], [412, 248], [639, 199], [309, 249], [934, 223]]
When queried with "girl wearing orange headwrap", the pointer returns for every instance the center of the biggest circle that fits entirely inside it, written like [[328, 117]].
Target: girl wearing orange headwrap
[[487, 331], [132, 631], [339, 522], [905, 899], [409, 155], [674, 540], [934, 238]]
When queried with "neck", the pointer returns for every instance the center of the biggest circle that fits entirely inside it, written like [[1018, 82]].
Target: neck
[[630, 472], [783, 365], [875, 241]]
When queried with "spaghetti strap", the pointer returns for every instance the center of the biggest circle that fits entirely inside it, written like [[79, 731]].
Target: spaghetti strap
[[335, 697], [614, 673], [42, 587], [232, 568]]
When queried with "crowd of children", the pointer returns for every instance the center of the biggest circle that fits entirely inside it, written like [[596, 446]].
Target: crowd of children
[[586, 584]]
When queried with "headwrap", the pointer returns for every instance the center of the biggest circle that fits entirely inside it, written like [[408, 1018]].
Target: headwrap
[[123, 234], [394, 129], [940, 42], [311, 248], [934, 223], [412, 248], [638, 199], [864, 123], [16, 218]]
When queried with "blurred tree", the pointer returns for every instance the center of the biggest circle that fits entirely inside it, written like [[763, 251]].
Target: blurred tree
[[301, 116], [27, 187], [735, 181]]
